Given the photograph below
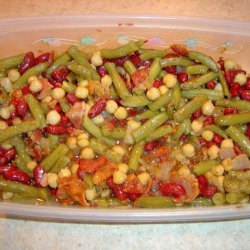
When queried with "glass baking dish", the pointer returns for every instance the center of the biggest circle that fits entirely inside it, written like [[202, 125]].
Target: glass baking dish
[[229, 39]]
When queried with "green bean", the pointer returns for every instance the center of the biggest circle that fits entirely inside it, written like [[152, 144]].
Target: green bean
[[217, 130], [138, 90], [170, 112], [189, 108], [195, 141], [243, 128], [196, 69], [122, 51], [50, 160], [135, 156], [44, 107], [2, 74], [82, 59], [224, 84], [22, 166], [107, 202], [53, 141], [176, 97], [154, 202], [64, 106], [161, 101], [149, 126], [200, 202], [4, 97], [88, 183], [60, 61], [241, 175], [20, 147], [204, 59], [233, 198], [160, 132], [118, 82], [36, 110], [238, 137], [176, 61], [245, 186], [147, 114], [15, 130], [239, 104], [98, 146], [34, 71], [61, 163], [203, 167], [69, 87], [154, 70], [113, 156], [11, 62], [178, 133], [162, 73], [22, 189], [129, 67], [211, 93], [219, 199], [80, 70], [232, 119], [152, 54], [90, 126], [135, 101], [231, 184], [115, 133], [198, 81], [112, 92]]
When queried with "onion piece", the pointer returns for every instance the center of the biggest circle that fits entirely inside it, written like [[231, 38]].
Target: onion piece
[[241, 162], [226, 153]]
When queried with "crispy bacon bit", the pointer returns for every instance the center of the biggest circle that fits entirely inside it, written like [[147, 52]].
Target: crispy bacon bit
[[45, 90], [140, 77], [179, 49], [76, 113]]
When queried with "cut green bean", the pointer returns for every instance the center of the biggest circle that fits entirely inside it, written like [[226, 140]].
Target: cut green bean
[[50, 160], [204, 59], [176, 97], [22, 189], [11, 62], [36, 110], [88, 183], [80, 70], [122, 51], [90, 126], [149, 126], [147, 54], [237, 136], [135, 101], [20, 147], [154, 202], [197, 70], [64, 106], [224, 84], [15, 130], [232, 119], [116, 133], [147, 114], [154, 70], [53, 141], [200, 202], [178, 133], [245, 186], [212, 94], [98, 146], [161, 101], [62, 60], [239, 104], [160, 132], [176, 61], [240, 174], [35, 71], [233, 198], [69, 87], [113, 156], [118, 82], [217, 130], [19, 162], [219, 199], [203, 167], [135, 156], [60, 164], [189, 108], [129, 67], [107, 202], [198, 81]]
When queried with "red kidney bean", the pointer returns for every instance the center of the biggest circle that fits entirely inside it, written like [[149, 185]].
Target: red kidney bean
[[245, 95], [135, 59], [133, 197], [197, 114], [97, 108], [56, 129], [230, 74], [2, 150], [64, 120], [117, 189], [237, 149], [221, 63], [172, 189], [210, 85], [230, 110], [247, 84], [71, 98], [217, 139], [10, 154], [60, 74], [171, 69], [58, 108], [182, 77], [248, 131], [157, 83], [40, 176], [209, 144], [21, 107], [209, 120], [28, 62], [132, 112], [3, 160], [120, 61], [6, 168], [151, 145], [102, 71], [209, 191], [202, 181], [235, 89], [26, 90], [46, 57], [203, 142]]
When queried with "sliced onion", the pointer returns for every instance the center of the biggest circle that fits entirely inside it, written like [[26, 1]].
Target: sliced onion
[[226, 153], [241, 162]]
